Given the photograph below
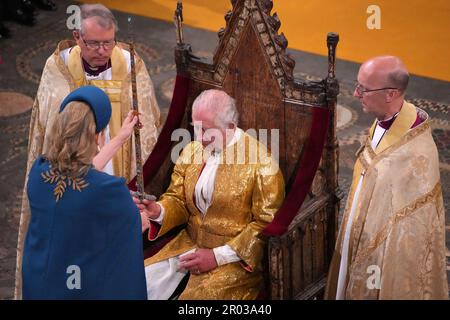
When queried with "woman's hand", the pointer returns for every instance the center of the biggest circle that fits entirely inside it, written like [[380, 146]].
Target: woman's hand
[[109, 150], [127, 127], [145, 221]]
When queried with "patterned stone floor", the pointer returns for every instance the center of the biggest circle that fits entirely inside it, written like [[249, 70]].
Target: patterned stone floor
[[23, 57]]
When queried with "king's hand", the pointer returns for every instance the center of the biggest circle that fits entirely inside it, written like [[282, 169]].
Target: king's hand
[[149, 207]]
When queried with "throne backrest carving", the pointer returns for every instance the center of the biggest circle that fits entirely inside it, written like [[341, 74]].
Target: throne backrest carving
[[251, 64]]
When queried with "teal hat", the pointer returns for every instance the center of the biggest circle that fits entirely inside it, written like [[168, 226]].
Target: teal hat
[[97, 99]]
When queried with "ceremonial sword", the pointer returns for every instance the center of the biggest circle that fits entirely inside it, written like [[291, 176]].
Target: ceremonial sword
[[140, 193]]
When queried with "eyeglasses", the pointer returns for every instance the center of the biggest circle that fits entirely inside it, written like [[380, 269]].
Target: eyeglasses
[[360, 90], [95, 45]]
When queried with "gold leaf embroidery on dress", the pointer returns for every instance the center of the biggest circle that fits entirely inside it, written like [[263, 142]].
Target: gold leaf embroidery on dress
[[62, 182]]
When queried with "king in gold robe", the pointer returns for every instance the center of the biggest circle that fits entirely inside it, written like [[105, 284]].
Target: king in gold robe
[[396, 235], [246, 196], [63, 73]]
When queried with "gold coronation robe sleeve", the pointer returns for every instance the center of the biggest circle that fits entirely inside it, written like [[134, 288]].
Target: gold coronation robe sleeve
[[246, 197]]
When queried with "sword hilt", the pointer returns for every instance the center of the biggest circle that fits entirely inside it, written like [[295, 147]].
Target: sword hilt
[[141, 196]]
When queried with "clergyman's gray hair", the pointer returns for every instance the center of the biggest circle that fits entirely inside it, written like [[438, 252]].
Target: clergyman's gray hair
[[221, 104], [103, 16], [399, 79]]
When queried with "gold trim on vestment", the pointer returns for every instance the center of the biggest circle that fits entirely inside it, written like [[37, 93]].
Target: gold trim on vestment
[[405, 212]]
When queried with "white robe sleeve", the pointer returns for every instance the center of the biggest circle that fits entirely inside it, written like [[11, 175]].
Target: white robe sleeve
[[225, 254]]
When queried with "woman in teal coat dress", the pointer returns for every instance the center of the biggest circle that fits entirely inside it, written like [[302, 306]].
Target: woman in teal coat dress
[[84, 239]]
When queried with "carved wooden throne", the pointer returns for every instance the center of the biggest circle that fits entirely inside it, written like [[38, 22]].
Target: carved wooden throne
[[250, 64]]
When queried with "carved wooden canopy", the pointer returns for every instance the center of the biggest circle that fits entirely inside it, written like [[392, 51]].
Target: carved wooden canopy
[[251, 64]]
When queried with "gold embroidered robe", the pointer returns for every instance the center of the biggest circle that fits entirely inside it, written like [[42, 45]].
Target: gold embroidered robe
[[246, 197], [397, 239], [57, 81]]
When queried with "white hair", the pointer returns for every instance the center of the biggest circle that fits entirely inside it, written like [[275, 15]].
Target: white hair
[[103, 16], [221, 104]]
